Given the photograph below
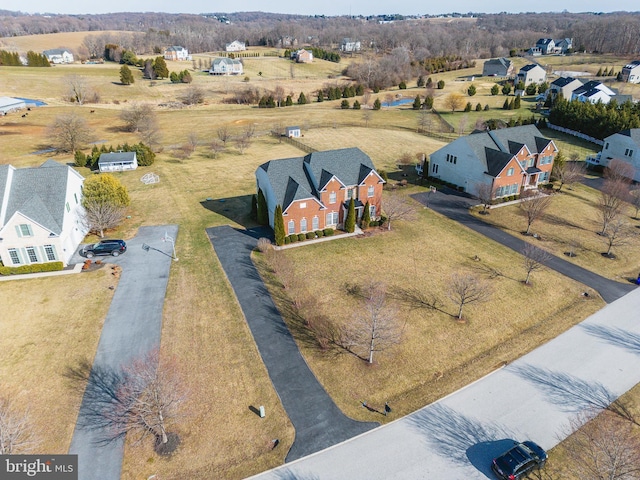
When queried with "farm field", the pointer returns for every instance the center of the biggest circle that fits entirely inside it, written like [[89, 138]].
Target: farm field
[[203, 326]]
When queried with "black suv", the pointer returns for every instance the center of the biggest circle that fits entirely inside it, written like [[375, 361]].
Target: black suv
[[104, 247], [519, 461]]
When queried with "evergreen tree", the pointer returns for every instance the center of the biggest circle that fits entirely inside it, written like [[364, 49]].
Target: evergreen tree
[[420, 81], [429, 83], [440, 84], [506, 89], [478, 108], [262, 213], [344, 104], [402, 85], [185, 76], [356, 105], [278, 226], [428, 102], [80, 159], [471, 91], [512, 103], [144, 154], [359, 89], [302, 99], [126, 76], [505, 105], [495, 89], [486, 107], [516, 102], [350, 221], [376, 104], [417, 103], [366, 216], [289, 101], [599, 74], [320, 96], [467, 107], [160, 68]]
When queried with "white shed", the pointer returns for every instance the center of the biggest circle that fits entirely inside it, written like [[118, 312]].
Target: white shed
[[117, 162], [9, 104], [293, 132]]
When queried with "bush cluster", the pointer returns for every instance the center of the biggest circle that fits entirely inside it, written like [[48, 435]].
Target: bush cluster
[[33, 268]]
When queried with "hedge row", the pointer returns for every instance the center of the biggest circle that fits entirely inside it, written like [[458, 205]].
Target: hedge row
[[300, 237], [34, 268]]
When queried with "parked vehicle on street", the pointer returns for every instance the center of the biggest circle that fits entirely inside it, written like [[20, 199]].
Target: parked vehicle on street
[[520, 460], [104, 247]]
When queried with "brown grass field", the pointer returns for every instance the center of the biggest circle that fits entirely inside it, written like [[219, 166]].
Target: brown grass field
[[203, 326]]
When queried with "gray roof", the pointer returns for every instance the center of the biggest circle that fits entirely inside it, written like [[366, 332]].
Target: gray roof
[[37, 193], [531, 66], [116, 157], [505, 62], [497, 147], [633, 64], [175, 48], [303, 178], [633, 133], [563, 81], [55, 51], [544, 41]]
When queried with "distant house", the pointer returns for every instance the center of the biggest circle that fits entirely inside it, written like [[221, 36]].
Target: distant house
[[623, 146], [9, 104], [287, 41], [563, 86], [235, 46], [509, 160], [292, 132], [226, 66], [40, 214], [631, 72], [593, 92], [546, 46], [177, 54], [314, 191], [497, 67], [117, 162], [563, 45], [349, 45], [302, 56], [531, 73], [58, 55]]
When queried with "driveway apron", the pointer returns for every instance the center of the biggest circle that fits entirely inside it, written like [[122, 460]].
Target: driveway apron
[[317, 420], [131, 330], [456, 207]]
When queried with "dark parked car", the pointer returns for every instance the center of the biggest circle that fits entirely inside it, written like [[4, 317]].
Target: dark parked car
[[104, 247], [519, 461]]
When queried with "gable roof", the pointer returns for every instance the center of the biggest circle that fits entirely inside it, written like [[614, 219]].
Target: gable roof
[[563, 81], [544, 41], [505, 62], [116, 157], [37, 193], [305, 177], [633, 133], [529, 67], [55, 51], [632, 65], [175, 48]]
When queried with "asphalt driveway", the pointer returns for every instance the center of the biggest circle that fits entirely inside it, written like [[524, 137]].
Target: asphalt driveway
[[318, 422], [456, 206], [131, 329]]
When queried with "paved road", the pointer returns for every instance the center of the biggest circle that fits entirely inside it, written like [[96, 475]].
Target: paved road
[[317, 420], [456, 207], [533, 398], [131, 329]]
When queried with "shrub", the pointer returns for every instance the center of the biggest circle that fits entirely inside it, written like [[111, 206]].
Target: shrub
[[293, 238], [287, 241], [302, 237], [264, 244], [328, 232], [311, 235], [319, 233], [374, 223], [33, 268]]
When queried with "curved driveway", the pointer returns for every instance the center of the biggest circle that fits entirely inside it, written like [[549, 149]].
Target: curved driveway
[[318, 422], [131, 330]]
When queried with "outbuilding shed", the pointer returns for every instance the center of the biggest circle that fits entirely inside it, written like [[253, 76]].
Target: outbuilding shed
[[9, 104], [117, 162]]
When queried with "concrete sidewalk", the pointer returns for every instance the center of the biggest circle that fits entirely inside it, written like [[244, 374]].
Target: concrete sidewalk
[[318, 422], [131, 330], [533, 398]]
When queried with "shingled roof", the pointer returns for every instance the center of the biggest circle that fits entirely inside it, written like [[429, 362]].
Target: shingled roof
[[633, 133], [37, 193], [302, 178]]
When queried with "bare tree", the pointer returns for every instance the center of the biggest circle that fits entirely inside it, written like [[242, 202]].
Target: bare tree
[[634, 199], [465, 289], [454, 101], [533, 206], [77, 88], [249, 131], [137, 116], [534, 259], [278, 95], [602, 447], [424, 120], [388, 99], [193, 141], [69, 133], [619, 170], [485, 195], [568, 173], [223, 134], [366, 116], [99, 216], [375, 327], [216, 147], [612, 200], [242, 143], [193, 95], [616, 234], [142, 398], [397, 207], [366, 97], [16, 432]]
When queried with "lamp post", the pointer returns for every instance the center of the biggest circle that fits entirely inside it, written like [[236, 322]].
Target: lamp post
[[167, 238]]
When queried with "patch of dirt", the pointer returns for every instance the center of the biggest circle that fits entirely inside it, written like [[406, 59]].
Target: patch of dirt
[[166, 449]]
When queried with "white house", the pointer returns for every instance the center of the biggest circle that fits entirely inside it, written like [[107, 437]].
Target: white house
[[9, 104], [623, 146], [594, 92], [117, 161], [58, 55], [40, 214], [531, 73], [508, 160], [631, 72], [292, 132], [226, 66], [349, 45], [546, 46], [236, 46], [177, 54]]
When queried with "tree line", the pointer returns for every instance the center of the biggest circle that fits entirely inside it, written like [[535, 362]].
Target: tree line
[[12, 59]]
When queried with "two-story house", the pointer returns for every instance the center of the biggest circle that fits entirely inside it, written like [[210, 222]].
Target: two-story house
[[509, 160], [177, 53], [235, 46], [625, 146], [497, 67], [58, 55], [40, 214], [594, 92], [314, 191], [563, 86], [226, 66], [631, 72], [531, 73]]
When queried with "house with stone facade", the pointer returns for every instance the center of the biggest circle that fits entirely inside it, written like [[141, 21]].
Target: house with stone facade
[[509, 160], [314, 191], [40, 214]]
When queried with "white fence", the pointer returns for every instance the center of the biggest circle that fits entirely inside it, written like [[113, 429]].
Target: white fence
[[575, 134]]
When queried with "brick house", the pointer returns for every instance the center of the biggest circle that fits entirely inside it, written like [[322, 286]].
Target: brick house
[[314, 191], [176, 53], [510, 160]]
